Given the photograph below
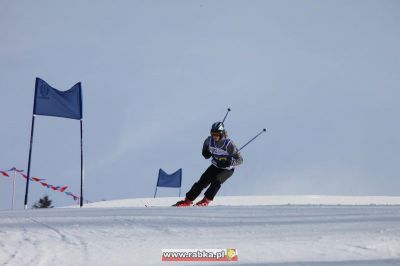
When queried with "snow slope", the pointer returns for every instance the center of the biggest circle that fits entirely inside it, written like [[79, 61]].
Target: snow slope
[[259, 200], [276, 235]]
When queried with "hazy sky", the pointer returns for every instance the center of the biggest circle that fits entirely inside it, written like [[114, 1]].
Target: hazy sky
[[321, 76]]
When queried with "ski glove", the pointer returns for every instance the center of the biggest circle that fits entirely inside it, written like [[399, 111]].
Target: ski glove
[[206, 154], [224, 163]]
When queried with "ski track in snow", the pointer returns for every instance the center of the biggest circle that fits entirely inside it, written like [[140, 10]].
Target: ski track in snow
[[37, 243], [263, 235]]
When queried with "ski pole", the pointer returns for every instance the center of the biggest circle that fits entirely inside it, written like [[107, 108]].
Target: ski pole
[[252, 139], [227, 112]]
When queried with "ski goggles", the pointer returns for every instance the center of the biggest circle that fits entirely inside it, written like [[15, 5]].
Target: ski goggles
[[216, 134]]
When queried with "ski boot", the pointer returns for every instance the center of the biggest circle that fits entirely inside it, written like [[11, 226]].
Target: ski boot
[[204, 202], [183, 203]]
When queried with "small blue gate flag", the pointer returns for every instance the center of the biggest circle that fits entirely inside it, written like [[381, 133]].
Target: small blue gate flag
[[52, 102], [166, 180]]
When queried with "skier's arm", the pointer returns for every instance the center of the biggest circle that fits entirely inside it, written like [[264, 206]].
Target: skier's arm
[[237, 158], [206, 151]]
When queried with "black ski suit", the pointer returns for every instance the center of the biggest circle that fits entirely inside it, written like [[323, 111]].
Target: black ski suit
[[217, 173]]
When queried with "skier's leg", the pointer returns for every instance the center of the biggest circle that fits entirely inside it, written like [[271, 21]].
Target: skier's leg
[[217, 181], [203, 182]]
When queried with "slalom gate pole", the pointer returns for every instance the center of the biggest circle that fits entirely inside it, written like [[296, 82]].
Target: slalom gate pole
[[13, 193], [29, 165], [82, 171]]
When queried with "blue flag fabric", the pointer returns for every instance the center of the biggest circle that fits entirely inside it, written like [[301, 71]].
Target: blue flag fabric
[[52, 102], [166, 180]]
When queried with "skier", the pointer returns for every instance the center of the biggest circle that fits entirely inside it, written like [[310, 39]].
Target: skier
[[225, 156]]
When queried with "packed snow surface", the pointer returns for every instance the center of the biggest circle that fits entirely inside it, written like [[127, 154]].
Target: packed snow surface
[[307, 230]]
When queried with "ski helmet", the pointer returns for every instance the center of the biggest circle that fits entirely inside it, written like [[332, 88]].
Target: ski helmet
[[218, 127]]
